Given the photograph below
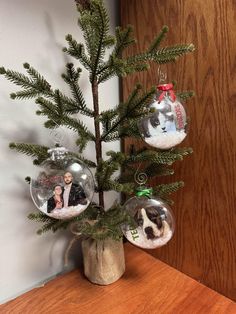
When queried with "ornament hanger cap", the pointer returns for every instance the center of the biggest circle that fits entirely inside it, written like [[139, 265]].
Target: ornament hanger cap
[[57, 152], [165, 87]]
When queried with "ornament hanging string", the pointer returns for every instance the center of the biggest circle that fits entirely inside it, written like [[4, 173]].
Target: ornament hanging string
[[162, 76], [57, 134], [76, 237]]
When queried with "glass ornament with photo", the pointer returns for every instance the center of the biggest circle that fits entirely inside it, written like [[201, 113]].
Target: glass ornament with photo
[[166, 126], [154, 221], [64, 186]]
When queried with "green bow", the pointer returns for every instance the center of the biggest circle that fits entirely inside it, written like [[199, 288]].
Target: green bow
[[144, 192]]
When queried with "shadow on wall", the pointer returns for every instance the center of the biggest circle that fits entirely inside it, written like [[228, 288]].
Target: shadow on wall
[[53, 44]]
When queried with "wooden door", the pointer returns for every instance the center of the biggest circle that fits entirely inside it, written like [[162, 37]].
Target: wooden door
[[204, 244]]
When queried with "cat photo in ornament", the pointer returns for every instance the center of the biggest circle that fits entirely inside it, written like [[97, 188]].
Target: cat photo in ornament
[[161, 121], [165, 128]]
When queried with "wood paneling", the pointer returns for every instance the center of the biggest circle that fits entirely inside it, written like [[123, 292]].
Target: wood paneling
[[148, 286], [204, 244]]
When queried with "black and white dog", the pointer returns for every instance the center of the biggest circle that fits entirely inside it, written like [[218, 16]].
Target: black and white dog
[[153, 222]]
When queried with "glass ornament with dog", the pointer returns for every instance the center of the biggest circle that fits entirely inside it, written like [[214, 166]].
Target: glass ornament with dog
[[166, 126], [154, 220], [64, 186]]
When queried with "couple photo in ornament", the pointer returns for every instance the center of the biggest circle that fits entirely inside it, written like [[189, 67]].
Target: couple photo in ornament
[[64, 187], [68, 197]]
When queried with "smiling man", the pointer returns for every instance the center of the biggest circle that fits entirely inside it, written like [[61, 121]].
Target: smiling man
[[73, 194]]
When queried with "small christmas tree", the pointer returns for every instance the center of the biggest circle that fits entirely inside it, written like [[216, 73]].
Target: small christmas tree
[[96, 222]]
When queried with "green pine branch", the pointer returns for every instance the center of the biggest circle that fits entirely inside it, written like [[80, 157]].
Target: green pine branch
[[39, 80], [94, 23], [122, 187], [108, 226], [84, 134], [115, 64], [128, 113], [102, 26], [40, 217], [54, 111], [158, 40], [124, 39], [170, 54], [154, 169], [162, 55], [130, 129], [53, 225], [114, 67], [86, 161], [71, 77], [159, 157], [18, 78], [71, 106], [128, 110], [78, 126], [163, 190], [37, 151], [185, 95], [106, 117], [77, 51], [93, 222], [34, 85], [105, 170], [26, 94]]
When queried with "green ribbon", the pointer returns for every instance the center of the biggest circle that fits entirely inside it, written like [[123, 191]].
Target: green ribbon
[[144, 192]]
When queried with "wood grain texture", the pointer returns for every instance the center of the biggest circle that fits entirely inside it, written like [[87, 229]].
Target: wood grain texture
[[148, 286], [204, 244]]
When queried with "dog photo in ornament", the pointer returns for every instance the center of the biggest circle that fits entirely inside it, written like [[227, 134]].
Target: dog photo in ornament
[[151, 223], [153, 229]]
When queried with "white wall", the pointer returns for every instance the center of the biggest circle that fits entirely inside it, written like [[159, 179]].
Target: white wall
[[34, 31]]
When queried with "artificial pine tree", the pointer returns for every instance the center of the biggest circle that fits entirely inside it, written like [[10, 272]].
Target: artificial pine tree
[[96, 222]]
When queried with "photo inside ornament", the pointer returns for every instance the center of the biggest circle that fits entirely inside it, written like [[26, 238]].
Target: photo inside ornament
[[166, 127], [154, 219], [64, 186]]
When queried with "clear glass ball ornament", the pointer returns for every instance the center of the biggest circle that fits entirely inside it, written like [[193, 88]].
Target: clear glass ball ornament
[[64, 186], [154, 219], [166, 126]]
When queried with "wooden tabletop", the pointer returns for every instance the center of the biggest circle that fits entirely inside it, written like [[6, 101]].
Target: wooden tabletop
[[148, 286]]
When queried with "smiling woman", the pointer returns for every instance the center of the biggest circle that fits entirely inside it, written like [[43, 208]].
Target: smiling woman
[[56, 201]]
